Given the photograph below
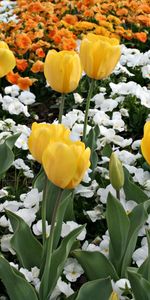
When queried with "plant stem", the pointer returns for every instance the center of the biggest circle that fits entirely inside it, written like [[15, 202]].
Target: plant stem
[[49, 251], [90, 92], [44, 210], [118, 194], [61, 108]]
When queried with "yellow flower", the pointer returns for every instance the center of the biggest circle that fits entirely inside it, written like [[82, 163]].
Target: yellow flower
[[114, 296], [99, 55], [62, 70], [42, 134], [7, 59], [65, 164], [145, 143]]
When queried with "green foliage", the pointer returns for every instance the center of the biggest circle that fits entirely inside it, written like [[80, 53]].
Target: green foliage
[[27, 247], [17, 287], [95, 264], [59, 256], [139, 285], [132, 191]]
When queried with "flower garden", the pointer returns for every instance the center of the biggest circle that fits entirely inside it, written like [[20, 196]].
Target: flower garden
[[75, 150]]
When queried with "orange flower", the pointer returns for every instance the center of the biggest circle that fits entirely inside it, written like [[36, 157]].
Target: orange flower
[[38, 66], [70, 19], [35, 7], [12, 77], [21, 64], [23, 41], [24, 83], [141, 36], [40, 53]]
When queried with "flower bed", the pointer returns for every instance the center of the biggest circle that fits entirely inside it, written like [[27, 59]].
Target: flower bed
[[109, 256]]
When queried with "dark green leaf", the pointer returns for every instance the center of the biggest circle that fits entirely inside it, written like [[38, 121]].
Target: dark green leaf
[[118, 227], [132, 191], [27, 247], [59, 258], [139, 285], [17, 287], [96, 289], [96, 265], [11, 140], [6, 158]]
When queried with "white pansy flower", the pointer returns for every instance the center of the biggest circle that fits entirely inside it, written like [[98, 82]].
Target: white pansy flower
[[69, 226], [37, 228], [5, 243], [78, 98], [72, 269]]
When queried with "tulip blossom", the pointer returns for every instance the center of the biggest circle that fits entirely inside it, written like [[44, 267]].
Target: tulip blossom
[[42, 134], [62, 70], [7, 59], [145, 143], [64, 161], [99, 55]]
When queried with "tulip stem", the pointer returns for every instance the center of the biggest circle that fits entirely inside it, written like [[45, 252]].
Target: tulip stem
[[90, 92], [118, 194], [61, 108], [49, 251], [44, 210]]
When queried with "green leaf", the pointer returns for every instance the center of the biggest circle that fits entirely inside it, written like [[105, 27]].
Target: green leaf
[[72, 297], [132, 191], [59, 258], [11, 140], [139, 285], [96, 265], [6, 158], [137, 218], [59, 218], [39, 180], [96, 289], [118, 227], [91, 142], [27, 247], [144, 269], [17, 287]]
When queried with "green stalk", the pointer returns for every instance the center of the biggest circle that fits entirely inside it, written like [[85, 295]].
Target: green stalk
[[118, 194], [44, 210], [61, 108], [49, 252], [90, 92]]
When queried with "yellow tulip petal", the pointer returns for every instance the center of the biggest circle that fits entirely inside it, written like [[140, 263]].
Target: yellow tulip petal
[[3, 45], [38, 141], [59, 163], [7, 61]]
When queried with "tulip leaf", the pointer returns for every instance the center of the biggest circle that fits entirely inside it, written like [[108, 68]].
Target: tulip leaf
[[118, 227], [95, 289], [72, 297], [137, 218], [59, 218], [132, 191], [140, 286], [11, 140], [59, 258], [17, 287], [6, 158], [144, 269], [95, 264], [38, 182], [27, 247]]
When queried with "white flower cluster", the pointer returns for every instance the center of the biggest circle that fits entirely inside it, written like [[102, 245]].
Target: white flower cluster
[[7, 11], [16, 102]]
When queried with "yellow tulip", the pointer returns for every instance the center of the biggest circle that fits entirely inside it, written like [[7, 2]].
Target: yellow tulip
[[65, 164], [62, 70], [42, 134], [99, 55], [145, 143], [7, 59]]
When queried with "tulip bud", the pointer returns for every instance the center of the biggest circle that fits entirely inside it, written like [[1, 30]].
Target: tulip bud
[[116, 172], [114, 296]]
